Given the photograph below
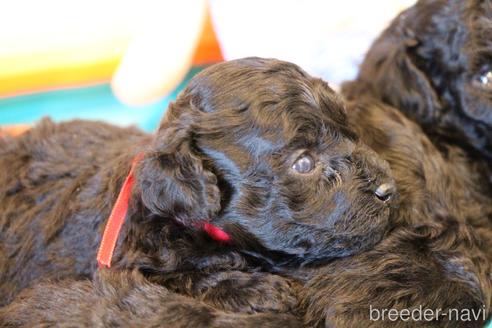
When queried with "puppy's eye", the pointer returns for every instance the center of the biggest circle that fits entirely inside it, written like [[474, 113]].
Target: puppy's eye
[[303, 164], [484, 80]]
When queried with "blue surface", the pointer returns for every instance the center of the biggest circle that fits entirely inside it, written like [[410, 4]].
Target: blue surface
[[93, 103]]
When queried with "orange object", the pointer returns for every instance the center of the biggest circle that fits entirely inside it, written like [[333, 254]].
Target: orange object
[[84, 64], [13, 130], [208, 49], [117, 218]]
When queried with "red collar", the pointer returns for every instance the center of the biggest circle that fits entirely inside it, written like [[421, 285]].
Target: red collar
[[117, 218]]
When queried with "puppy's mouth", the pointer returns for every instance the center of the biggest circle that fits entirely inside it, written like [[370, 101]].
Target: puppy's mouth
[[306, 244], [340, 246], [307, 254]]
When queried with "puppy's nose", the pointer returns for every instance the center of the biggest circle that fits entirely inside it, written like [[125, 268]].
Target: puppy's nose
[[385, 191]]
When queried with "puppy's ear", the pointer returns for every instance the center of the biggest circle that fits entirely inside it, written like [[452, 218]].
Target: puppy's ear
[[173, 179], [390, 72]]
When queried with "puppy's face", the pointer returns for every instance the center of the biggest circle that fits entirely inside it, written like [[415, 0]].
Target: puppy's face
[[277, 164], [454, 47], [435, 63]]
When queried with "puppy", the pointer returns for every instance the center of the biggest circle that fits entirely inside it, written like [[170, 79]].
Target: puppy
[[434, 64], [255, 147], [434, 253]]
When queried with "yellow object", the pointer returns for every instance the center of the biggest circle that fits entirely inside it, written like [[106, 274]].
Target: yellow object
[[46, 77], [56, 43]]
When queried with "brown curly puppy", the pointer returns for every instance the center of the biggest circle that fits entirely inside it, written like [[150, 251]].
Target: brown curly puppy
[[255, 146], [321, 211]]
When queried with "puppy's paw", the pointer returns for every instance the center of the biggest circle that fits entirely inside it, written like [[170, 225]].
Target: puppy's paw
[[244, 292]]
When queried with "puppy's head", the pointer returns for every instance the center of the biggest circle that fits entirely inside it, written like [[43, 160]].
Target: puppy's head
[[435, 63], [263, 151]]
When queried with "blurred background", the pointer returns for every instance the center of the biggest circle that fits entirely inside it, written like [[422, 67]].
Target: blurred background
[[124, 61]]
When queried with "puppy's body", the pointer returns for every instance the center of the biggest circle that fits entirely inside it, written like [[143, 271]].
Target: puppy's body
[[124, 299], [57, 182]]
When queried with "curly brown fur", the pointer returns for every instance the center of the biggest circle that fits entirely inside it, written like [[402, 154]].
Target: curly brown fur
[[429, 64], [224, 153], [439, 255], [123, 299]]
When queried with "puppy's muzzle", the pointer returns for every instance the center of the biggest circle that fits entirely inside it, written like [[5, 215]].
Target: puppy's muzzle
[[385, 192]]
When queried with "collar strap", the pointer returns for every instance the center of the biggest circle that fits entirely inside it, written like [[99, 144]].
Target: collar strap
[[117, 218]]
